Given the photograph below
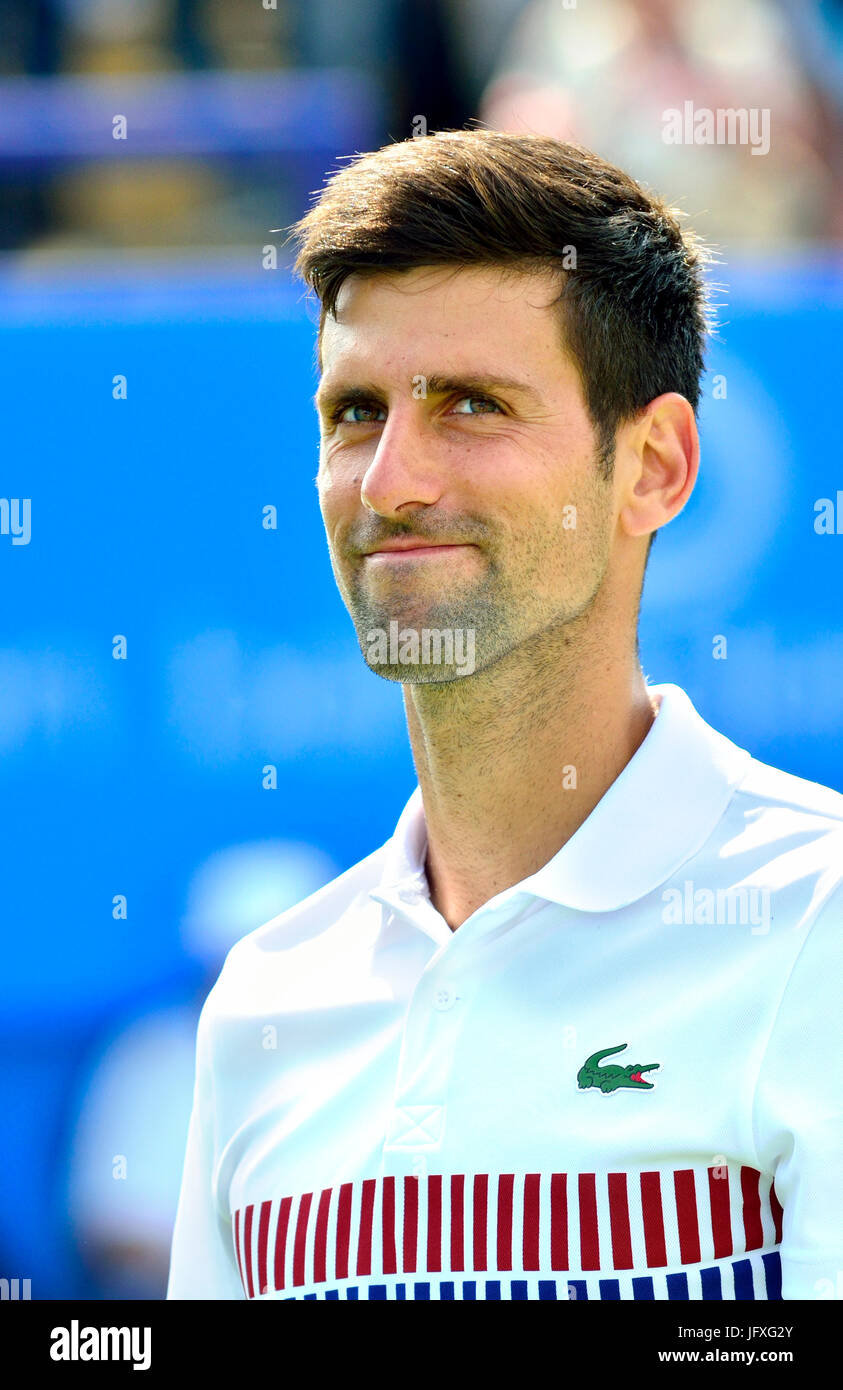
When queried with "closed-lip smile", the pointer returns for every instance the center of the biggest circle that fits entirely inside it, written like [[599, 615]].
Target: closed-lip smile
[[414, 546]]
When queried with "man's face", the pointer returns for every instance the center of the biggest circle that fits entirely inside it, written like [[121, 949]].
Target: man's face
[[452, 420]]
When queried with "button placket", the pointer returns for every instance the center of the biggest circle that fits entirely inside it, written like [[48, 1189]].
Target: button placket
[[445, 997], [417, 1119]]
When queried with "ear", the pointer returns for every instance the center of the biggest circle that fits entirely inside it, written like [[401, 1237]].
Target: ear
[[662, 453]]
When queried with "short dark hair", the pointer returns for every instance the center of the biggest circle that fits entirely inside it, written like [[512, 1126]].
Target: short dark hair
[[634, 305]]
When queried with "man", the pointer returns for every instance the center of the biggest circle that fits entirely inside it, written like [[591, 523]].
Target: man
[[569, 1033]]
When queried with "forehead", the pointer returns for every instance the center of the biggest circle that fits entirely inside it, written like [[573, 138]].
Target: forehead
[[510, 312]]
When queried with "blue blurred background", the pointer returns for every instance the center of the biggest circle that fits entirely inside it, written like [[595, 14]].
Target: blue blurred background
[[157, 372]]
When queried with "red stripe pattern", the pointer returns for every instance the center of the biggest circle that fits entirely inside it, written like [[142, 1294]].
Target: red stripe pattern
[[549, 1222], [619, 1210], [653, 1213], [721, 1211], [687, 1216]]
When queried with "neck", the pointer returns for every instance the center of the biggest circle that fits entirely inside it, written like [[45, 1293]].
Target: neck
[[512, 759]]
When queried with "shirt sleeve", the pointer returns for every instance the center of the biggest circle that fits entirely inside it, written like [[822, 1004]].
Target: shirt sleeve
[[799, 1111], [202, 1260]]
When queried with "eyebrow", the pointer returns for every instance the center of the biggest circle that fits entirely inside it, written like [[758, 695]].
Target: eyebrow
[[437, 385]]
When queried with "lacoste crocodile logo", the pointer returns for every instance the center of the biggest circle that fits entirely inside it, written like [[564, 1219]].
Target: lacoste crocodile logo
[[609, 1078]]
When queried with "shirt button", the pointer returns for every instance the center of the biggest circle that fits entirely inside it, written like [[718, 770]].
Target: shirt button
[[445, 997]]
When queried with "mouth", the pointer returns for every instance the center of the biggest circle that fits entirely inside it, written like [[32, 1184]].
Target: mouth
[[414, 551]]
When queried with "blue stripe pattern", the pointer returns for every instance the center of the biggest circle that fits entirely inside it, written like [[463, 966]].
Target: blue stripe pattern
[[773, 1274], [742, 1270], [710, 1287]]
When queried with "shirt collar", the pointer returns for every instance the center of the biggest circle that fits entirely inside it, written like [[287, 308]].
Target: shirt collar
[[656, 814]]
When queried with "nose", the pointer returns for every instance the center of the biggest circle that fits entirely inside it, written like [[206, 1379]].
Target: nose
[[403, 472]]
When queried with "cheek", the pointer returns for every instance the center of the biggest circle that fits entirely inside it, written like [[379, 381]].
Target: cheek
[[339, 482], [555, 531], [340, 505], [333, 490]]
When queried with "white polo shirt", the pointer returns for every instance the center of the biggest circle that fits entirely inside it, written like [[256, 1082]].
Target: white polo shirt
[[618, 1079]]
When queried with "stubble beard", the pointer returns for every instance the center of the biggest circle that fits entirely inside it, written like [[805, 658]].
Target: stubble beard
[[477, 623]]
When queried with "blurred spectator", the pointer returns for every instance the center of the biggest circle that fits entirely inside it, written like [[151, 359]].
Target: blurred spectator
[[31, 41], [127, 1153], [431, 60], [143, 35], [426, 64], [158, 202], [605, 75]]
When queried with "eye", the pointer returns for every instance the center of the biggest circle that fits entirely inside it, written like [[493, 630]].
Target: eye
[[340, 415], [477, 400]]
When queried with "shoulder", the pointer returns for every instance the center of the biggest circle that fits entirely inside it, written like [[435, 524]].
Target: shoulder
[[769, 789], [317, 931], [792, 829]]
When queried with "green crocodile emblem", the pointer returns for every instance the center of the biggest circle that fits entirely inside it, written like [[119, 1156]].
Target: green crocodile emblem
[[609, 1078]]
